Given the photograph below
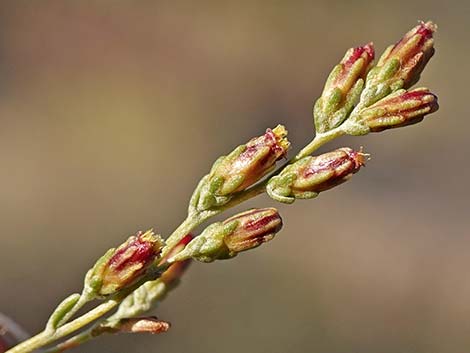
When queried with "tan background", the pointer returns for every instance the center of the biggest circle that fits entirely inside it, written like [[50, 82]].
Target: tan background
[[111, 110]]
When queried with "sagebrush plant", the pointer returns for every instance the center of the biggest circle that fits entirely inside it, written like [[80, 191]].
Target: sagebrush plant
[[358, 98]]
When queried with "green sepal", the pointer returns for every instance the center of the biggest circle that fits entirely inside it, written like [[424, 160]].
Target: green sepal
[[355, 128], [62, 309], [93, 279], [388, 70], [306, 195], [209, 246], [279, 189]]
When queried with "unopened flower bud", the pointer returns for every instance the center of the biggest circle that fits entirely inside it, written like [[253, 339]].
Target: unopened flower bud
[[224, 240], [401, 64], [242, 168], [150, 324], [398, 109], [343, 88], [143, 325], [253, 228], [250, 162], [124, 266], [309, 176], [151, 292]]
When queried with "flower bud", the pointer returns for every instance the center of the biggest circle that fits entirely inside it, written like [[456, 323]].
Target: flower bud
[[343, 88], [149, 324], [151, 292], [399, 109], [401, 64], [249, 163], [309, 176], [224, 240], [253, 228], [242, 168], [143, 325], [124, 266]]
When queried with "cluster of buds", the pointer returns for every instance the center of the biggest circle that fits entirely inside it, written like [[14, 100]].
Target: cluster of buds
[[400, 66], [356, 100], [242, 168], [398, 109], [343, 88], [122, 267], [309, 176], [224, 240]]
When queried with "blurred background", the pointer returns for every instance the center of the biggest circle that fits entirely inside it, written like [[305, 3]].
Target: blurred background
[[110, 112]]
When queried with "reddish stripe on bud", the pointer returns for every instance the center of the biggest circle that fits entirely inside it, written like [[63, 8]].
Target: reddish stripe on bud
[[343, 88], [129, 262], [135, 251], [419, 36], [149, 324], [354, 66], [365, 52], [311, 175], [328, 170], [413, 52], [405, 108], [356, 54], [142, 325], [254, 227], [240, 170]]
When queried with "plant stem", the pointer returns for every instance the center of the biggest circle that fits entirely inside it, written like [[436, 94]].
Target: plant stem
[[47, 337], [191, 222], [317, 142], [72, 342]]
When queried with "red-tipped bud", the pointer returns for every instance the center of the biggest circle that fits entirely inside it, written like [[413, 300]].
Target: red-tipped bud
[[224, 240], [343, 88], [242, 168], [249, 163], [354, 66], [253, 228], [122, 267], [399, 109], [402, 63], [149, 324], [311, 175], [142, 325]]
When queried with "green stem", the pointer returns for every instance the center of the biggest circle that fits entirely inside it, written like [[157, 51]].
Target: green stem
[[47, 337], [72, 342], [191, 222], [242, 197], [317, 142]]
